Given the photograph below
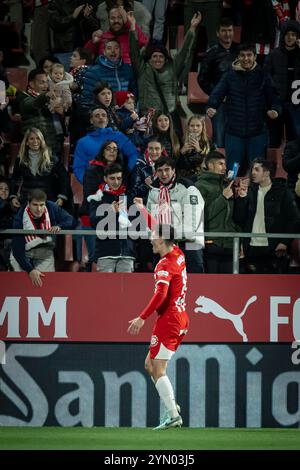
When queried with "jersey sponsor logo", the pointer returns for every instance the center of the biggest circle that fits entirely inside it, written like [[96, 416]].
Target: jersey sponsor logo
[[180, 260], [154, 340], [206, 305], [162, 273]]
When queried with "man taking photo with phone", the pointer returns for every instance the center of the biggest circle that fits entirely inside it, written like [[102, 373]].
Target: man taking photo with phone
[[218, 194]]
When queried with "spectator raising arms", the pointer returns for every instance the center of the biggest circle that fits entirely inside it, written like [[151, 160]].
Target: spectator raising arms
[[157, 73]]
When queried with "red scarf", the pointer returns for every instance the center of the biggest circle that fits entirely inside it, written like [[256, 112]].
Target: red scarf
[[115, 192], [164, 202], [32, 92], [282, 10], [97, 162]]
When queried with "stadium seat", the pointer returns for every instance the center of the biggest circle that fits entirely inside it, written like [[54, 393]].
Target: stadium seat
[[14, 150], [275, 155], [66, 153], [17, 77], [77, 190], [195, 94], [295, 255], [237, 30]]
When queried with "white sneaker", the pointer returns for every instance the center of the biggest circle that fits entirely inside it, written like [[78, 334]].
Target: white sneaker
[[170, 423], [165, 416]]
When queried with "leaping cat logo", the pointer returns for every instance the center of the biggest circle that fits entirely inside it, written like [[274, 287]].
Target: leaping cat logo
[[206, 305]]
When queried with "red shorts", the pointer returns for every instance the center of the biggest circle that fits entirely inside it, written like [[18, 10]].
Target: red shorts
[[168, 332]]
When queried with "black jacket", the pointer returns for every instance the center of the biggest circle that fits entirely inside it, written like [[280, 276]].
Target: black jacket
[[54, 182], [291, 161], [109, 246], [249, 95], [276, 63], [281, 213], [216, 62]]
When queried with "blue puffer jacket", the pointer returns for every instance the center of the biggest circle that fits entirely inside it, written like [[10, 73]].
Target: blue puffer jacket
[[249, 95], [88, 147], [117, 74]]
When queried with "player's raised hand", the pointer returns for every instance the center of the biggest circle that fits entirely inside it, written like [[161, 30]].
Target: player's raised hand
[[135, 325], [195, 21], [138, 201]]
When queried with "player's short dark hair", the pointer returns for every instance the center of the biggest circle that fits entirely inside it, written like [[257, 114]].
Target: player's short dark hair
[[99, 106], [112, 169], [225, 23], [266, 165], [37, 194], [166, 232], [246, 46], [34, 73], [165, 161], [85, 54], [212, 156]]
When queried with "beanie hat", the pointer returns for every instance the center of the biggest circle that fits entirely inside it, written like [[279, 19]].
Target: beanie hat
[[122, 96], [151, 48]]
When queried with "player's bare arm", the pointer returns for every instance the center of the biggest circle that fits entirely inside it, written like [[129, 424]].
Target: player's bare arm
[[135, 325]]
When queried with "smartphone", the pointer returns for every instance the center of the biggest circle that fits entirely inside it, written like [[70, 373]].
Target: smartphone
[[2, 92], [123, 201], [192, 136], [232, 174]]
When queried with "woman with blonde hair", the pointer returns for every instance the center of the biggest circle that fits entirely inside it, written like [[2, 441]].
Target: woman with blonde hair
[[196, 147], [36, 167]]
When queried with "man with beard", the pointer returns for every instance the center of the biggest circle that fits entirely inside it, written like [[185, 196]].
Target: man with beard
[[119, 30]]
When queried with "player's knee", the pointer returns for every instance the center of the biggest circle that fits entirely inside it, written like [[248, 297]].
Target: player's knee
[[148, 367]]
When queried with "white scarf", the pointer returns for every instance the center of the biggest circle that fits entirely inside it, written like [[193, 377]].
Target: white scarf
[[29, 224]]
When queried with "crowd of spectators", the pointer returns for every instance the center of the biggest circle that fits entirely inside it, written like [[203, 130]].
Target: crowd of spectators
[[105, 87]]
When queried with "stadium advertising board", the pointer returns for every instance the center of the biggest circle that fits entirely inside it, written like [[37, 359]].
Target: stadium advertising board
[[97, 307], [218, 385]]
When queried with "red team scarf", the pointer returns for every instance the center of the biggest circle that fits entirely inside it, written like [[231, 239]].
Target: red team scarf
[[32, 92], [29, 223], [115, 192], [164, 202]]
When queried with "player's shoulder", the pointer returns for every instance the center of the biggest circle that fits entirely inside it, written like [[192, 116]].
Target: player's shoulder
[[172, 261], [178, 256]]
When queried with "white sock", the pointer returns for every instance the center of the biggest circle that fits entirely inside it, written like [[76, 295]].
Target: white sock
[[166, 393]]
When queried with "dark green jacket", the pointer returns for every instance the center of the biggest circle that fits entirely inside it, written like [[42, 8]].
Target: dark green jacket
[[35, 113], [167, 77], [218, 211]]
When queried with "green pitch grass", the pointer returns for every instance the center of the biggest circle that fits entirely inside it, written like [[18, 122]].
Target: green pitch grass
[[55, 438]]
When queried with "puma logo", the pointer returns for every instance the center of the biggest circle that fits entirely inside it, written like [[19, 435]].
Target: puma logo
[[206, 305]]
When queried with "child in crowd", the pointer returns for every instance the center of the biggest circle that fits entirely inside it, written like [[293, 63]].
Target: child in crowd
[[196, 147], [60, 82], [104, 95], [81, 59], [163, 129], [137, 129]]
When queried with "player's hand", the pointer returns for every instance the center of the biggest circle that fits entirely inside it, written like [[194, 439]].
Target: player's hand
[[131, 19], [96, 36], [195, 21], [211, 112], [243, 187], [138, 201], [78, 10], [272, 114], [36, 277], [54, 229], [280, 250], [228, 192], [135, 325]]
